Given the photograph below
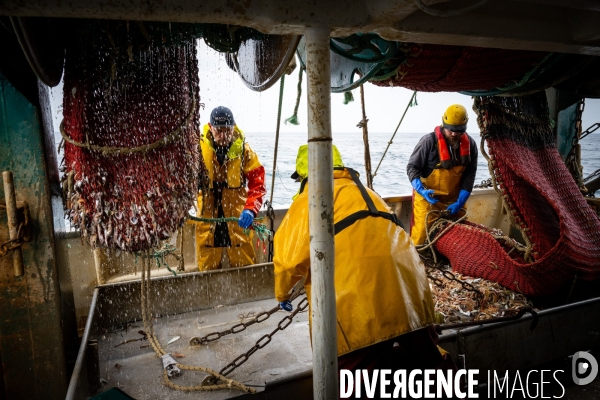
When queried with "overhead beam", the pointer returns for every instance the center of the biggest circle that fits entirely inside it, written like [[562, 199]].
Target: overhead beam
[[543, 25], [510, 25]]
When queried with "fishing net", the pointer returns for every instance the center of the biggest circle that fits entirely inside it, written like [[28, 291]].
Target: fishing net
[[561, 230], [130, 126], [437, 68]]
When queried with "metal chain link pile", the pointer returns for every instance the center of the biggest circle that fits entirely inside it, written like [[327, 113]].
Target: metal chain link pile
[[430, 264]]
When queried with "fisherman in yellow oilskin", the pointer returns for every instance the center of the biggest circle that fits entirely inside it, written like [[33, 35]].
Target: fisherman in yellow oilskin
[[384, 304], [233, 185], [442, 171]]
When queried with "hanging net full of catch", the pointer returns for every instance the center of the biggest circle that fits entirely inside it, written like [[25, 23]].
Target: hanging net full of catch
[[544, 202], [130, 106]]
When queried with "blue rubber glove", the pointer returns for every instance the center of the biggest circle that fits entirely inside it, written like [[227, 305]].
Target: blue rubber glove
[[427, 194], [246, 218], [286, 306], [460, 203]]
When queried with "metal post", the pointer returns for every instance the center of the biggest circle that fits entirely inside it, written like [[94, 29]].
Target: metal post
[[320, 190], [13, 220]]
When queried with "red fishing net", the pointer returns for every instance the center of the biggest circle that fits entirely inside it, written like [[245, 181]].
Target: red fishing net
[[438, 68], [131, 130], [543, 197]]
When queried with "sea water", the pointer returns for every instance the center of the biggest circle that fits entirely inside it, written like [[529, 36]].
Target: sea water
[[391, 178]]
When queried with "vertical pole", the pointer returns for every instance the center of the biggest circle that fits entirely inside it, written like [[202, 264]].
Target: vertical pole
[[320, 190], [363, 123], [13, 220]]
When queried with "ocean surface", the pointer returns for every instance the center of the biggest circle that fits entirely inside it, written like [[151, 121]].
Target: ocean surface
[[391, 178]]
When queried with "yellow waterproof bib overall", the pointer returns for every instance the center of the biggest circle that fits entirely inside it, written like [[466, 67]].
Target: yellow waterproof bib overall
[[446, 184], [234, 196]]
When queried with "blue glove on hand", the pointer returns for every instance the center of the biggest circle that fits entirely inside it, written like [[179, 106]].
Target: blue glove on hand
[[460, 203], [427, 194], [246, 218], [286, 306]]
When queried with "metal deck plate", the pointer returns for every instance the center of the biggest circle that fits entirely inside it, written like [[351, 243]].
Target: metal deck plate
[[138, 371]]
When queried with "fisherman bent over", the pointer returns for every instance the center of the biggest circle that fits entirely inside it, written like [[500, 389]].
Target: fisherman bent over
[[442, 171], [384, 305]]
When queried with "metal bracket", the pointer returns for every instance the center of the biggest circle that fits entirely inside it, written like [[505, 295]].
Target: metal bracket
[[170, 365]]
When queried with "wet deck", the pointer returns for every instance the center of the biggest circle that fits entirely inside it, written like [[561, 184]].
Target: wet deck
[[138, 371]]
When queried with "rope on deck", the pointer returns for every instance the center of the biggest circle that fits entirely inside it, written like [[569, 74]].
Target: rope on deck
[[160, 351]]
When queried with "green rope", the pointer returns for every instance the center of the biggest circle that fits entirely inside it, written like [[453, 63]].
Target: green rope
[[348, 97], [261, 230], [159, 256], [281, 84], [294, 118], [413, 101]]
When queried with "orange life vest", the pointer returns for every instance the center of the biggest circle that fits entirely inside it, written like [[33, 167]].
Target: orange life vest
[[445, 157]]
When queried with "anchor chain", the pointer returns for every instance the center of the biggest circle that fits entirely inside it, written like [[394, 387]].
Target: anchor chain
[[260, 317], [263, 341]]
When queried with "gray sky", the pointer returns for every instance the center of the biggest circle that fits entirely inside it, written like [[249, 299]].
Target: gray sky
[[257, 111]]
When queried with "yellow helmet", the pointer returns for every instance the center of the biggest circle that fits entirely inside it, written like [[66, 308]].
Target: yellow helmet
[[455, 118], [302, 161]]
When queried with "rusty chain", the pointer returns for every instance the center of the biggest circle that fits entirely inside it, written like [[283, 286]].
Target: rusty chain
[[589, 130], [486, 183], [260, 317], [264, 340], [15, 243], [451, 277]]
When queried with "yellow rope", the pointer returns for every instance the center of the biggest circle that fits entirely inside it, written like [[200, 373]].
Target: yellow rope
[[160, 351], [172, 137], [434, 226]]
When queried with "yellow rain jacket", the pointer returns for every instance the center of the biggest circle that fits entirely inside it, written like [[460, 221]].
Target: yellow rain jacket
[[381, 288], [241, 168]]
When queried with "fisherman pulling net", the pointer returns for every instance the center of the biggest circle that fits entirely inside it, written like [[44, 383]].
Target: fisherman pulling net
[[561, 232]]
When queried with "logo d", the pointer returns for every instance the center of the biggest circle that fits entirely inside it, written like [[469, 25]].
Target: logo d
[[584, 363]]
